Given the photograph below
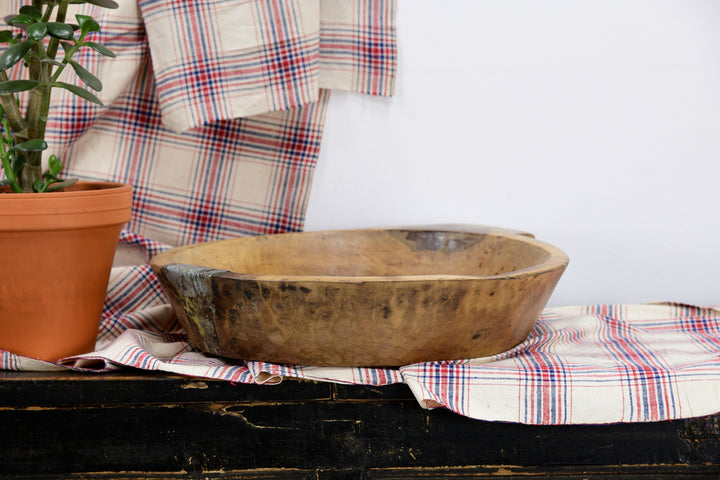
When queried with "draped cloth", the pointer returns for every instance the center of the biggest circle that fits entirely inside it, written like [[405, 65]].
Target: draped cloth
[[214, 109]]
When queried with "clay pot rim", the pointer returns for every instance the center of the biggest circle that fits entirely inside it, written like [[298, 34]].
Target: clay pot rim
[[79, 189], [83, 205]]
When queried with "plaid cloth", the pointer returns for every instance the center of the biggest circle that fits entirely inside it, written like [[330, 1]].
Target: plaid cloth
[[589, 364]]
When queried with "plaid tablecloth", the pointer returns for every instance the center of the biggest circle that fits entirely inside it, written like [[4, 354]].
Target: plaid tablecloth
[[214, 113], [589, 364]]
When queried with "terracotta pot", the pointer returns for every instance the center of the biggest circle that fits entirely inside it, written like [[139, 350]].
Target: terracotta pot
[[56, 252]]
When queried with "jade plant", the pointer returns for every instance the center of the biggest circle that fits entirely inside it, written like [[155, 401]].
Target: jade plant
[[41, 44]]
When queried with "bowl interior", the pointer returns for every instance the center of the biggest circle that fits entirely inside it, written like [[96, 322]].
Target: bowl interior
[[367, 253]]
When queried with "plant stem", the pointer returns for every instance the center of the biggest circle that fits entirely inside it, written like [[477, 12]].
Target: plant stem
[[39, 105], [12, 110], [36, 117], [5, 143], [54, 42]]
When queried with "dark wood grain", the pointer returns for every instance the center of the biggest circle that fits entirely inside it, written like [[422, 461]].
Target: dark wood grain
[[136, 424]]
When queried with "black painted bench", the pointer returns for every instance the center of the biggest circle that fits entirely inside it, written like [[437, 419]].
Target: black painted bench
[[134, 424]]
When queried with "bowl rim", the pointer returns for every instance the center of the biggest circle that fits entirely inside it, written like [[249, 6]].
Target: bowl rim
[[557, 258]]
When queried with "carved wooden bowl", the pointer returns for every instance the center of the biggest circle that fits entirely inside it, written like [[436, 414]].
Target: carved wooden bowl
[[370, 297]]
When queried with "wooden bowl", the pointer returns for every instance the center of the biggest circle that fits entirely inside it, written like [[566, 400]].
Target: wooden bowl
[[370, 297]]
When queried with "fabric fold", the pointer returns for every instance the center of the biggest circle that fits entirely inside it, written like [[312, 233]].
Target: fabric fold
[[358, 46], [274, 373], [218, 61]]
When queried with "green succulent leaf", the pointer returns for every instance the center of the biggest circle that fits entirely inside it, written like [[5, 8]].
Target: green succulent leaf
[[37, 31], [79, 91], [51, 62], [14, 86], [39, 186], [63, 184], [101, 49], [90, 80], [54, 165], [21, 20], [59, 30], [87, 24], [9, 18], [34, 145], [50, 178], [18, 163], [31, 11], [6, 36], [5, 182], [15, 53]]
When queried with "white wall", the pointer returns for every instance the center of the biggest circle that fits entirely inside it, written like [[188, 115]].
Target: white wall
[[594, 124]]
